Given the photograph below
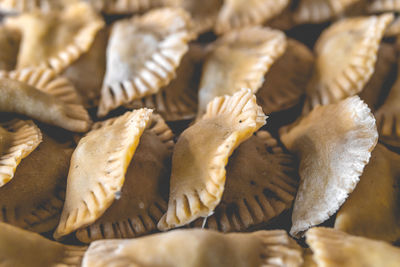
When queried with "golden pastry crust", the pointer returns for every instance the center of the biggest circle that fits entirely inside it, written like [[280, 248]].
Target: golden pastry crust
[[87, 73], [9, 43], [143, 197], [261, 183], [239, 60], [333, 248], [143, 54], [372, 210], [178, 100], [285, 83], [204, 13], [201, 248], [377, 6], [17, 140], [317, 11], [96, 176], [41, 94], [236, 14], [19, 248], [12, 6], [201, 153], [33, 199], [333, 143], [57, 38], [346, 54], [111, 7]]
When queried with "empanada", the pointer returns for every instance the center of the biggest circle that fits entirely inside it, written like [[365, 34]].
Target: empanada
[[236, 14], [384, 6], [333, 143], [372, 210], [57, 38], [204, 13], [20, 248], [239, 59], [33, 199], [178, 100], [261, 183], [317, 11], [201, 153], [18, 139], [41, 95], [130, 6], [333, 248], [98, 167], [9, 46], [190, 248], [285, 83], [346, 53], [13, 6], [143, 197], [142, 55]]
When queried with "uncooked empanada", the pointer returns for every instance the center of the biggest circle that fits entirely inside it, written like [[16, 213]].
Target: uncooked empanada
[[333, 143], [385, 63], [236, 14], [142, 55], [41, 94], [55, 39], [239, 59], [204, 13], [9, 43], [13, 6], [333, 248], [98, 167], [143, 197], [190, 248], [33, 199], [372, 210], [201, 154], [384, 6], [178, 100], [20, 248], [317, 11], [261, 183], [17, 140], [388, 116], [87, 73], [285, 83], [130, 6], [346, 53]]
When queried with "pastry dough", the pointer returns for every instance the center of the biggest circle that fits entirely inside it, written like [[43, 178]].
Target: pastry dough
[[384, 6], [372, 210], [142, 56], [55, 39], [33, 199], [261, 183], [333, 143], [317, 11], [178, 100], [236, 14], [40, 94], [9, 43], [201, 153], [333, 248], [346, 54], [17, 140], [239, 60], [20, 248], [130, 6], [285, 83], [87, 73], [12, 6], [98, 167], [144, 195], [204, 13], [190, 248]]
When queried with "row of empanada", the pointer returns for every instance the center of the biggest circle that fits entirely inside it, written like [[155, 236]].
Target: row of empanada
[[328, 247]]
